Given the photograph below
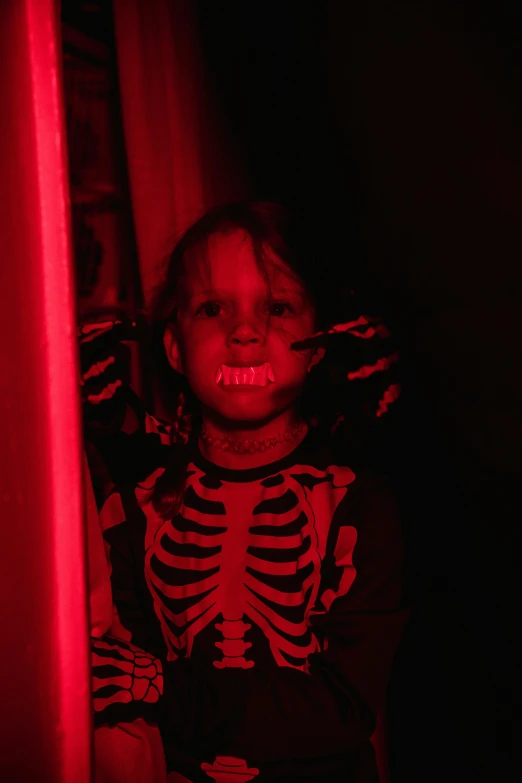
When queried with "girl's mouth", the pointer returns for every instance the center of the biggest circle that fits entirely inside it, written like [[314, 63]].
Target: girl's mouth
[[261, 375]]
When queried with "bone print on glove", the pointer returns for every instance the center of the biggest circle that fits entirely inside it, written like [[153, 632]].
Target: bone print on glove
[[127, 682], [361, 363], [105, 360]]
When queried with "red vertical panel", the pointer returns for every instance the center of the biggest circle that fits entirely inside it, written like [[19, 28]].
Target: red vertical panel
[[45, 723], [179, 157]]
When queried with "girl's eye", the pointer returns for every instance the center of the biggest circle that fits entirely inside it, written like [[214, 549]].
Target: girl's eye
[[280, 308], [209, 309]]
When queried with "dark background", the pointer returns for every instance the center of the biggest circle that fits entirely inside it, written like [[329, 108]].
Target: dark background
[[397, 125]]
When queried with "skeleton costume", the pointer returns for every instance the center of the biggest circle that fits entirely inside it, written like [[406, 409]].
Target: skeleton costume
[[258, 625]]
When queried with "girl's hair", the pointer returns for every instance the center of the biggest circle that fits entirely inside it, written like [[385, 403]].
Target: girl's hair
[[270, 227]]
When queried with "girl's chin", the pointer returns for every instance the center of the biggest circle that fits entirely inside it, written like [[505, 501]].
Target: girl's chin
[[245, 403], [245, 408], [252, 413]]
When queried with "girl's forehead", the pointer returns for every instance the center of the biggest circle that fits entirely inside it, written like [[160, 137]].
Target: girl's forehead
[[228, 261]]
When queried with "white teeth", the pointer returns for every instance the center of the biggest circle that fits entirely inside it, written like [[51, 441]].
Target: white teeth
[[249, 376]]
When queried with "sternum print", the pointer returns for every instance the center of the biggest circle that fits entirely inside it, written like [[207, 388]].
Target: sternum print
[[232, 580]]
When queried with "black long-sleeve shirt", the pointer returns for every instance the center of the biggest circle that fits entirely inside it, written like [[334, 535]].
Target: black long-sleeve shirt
[[273, 601]]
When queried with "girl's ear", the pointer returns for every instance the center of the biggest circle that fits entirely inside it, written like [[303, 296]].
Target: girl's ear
[[316, 357], [170, 341]]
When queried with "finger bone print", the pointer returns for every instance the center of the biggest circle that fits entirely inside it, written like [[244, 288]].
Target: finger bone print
[[130, 673], [245, 553]]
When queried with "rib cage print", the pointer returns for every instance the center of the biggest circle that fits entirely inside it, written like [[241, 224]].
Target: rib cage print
[[241, 554]]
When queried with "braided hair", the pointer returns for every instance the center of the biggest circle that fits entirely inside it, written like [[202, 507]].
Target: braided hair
[[359, 351], [168, 491]]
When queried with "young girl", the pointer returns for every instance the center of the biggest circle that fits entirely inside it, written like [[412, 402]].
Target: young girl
[[255, 574]]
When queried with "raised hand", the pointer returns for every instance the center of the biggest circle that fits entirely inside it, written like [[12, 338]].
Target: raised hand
[[359, 350], [104, 357]]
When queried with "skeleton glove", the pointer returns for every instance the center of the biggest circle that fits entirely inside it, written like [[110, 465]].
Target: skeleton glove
[[360, 365], [126, 682], [105, 369]]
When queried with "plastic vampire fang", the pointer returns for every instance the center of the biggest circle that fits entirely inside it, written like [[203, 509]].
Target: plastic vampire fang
[[261, 375]]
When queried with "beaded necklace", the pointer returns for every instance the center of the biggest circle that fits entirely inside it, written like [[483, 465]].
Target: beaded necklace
[[251, 446]]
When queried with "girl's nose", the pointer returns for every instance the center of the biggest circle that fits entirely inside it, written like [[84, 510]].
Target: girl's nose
[[246, 333]]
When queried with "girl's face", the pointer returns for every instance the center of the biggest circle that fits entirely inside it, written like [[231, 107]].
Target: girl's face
[[234, 331]]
